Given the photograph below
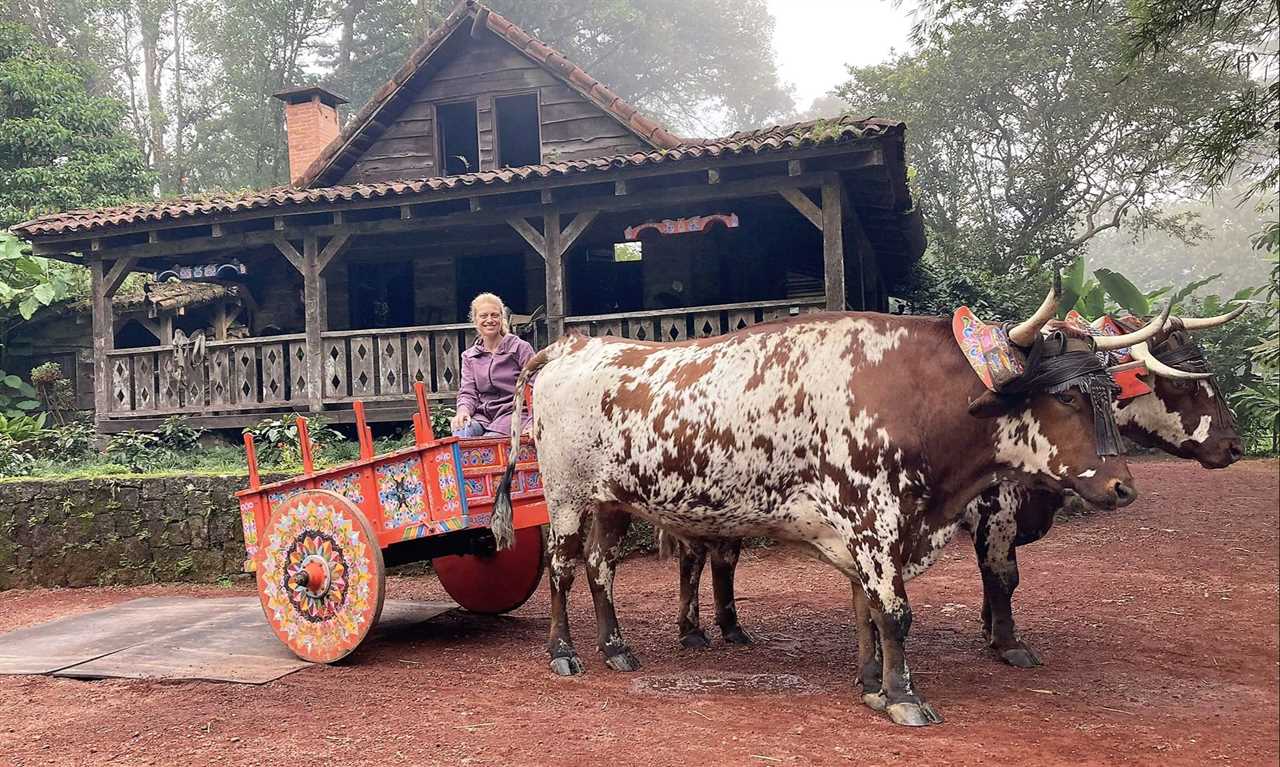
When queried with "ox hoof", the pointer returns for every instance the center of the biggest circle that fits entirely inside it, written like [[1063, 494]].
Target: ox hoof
[[735, 635], [567, 666], [695, 640], [1020, 656], [913, 714], [623, 661], [875, 701]]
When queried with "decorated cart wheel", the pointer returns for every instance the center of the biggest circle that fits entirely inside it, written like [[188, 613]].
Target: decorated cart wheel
[[491, 584], [320, 576]]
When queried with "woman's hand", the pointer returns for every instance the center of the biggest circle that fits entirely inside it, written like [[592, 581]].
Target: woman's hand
[[460, 420]]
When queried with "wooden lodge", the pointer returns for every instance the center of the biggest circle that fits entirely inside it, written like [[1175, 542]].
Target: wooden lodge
[[487, 163]]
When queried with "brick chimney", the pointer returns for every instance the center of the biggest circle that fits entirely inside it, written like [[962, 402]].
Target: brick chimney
[[311, 119]]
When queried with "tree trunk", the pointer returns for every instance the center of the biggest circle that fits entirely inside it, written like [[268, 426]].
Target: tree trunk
[[149, 16]]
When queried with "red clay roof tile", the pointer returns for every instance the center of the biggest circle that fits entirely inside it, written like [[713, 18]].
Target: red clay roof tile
[[782, 137]]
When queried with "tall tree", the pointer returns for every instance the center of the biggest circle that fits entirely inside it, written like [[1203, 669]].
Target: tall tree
[[60, 146], [1032, 131]]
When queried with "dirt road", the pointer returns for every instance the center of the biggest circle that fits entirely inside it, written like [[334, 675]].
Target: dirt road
[[1158, 625]]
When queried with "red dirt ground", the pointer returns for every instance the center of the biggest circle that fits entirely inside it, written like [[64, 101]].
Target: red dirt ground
[[1158, 625]]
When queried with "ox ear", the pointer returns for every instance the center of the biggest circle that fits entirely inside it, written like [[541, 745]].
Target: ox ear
[[989, 404]]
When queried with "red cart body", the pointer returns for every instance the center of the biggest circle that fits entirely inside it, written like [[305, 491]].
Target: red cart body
[[317, 541]]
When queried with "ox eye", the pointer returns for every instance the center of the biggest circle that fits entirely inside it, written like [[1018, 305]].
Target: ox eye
[[1065, 398]]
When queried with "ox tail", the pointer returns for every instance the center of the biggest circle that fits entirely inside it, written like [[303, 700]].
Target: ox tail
[[501, 524]]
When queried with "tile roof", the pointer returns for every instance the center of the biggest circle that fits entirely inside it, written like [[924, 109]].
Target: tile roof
[[539, 52], [839, 130]]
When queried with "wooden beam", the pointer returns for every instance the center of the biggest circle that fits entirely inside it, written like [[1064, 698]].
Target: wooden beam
[[696, 193], [215, 230], [119, 271], [546, 197], [555, 273], [801, 202], [154, 329], [406, 212], [795, 167], [833, 242], [288, 251], [575, 229], [530, 235], [335, 246]]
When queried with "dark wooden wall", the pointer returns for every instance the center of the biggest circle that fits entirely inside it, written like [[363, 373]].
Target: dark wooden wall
[[572, 126]]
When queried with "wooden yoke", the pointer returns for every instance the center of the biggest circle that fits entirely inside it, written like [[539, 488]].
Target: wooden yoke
[[304, 445], [255, 481], [363, 433]]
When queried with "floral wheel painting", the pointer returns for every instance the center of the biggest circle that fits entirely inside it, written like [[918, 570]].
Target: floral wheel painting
[[320, 576]]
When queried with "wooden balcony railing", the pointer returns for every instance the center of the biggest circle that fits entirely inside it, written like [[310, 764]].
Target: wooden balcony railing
[[270, 374], [692, 322]]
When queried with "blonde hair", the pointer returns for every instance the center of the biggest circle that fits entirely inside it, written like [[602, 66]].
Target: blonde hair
[[502, 309]]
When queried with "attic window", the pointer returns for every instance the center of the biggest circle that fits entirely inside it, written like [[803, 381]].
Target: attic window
[[459, 141], [519, 141]]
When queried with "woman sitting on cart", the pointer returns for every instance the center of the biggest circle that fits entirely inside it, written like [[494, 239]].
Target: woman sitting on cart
[[486, 397]]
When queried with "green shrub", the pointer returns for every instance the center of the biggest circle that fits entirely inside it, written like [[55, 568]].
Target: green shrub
[[276, 439], [138, 450], [21, 428], [176, 434], [69, 442], [15, 460]]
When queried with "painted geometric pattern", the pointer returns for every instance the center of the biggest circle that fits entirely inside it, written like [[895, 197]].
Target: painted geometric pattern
[[476, 487], [400, 493], [341, 617], [479, 456], [526, 454], [280, 496], [250, 525], [433, 528], [449, 491], [347, 486]]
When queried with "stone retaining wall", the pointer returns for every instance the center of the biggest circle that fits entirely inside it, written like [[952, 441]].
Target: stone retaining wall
[[133, 530], [120, 530]]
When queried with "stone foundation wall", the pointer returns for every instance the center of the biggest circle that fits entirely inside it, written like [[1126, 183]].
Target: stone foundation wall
[[120, 530]]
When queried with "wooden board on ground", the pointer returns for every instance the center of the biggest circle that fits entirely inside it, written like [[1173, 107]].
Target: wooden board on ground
[[223, 639]]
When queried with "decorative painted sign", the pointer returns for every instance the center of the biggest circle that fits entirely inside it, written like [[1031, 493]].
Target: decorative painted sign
[[683, 225]]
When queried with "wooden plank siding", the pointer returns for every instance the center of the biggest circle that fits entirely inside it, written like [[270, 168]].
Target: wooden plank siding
[[572, 126]]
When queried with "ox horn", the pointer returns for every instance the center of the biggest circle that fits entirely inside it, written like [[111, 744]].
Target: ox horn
[[1202, 323], [1024, 333], [1123, 366], [1141, 353], [1142, 335]]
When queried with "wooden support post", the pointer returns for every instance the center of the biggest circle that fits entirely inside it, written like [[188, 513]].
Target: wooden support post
[[313, 296], [166, 330], [833, 242], [103, 339], [554, 255], [220, 321]]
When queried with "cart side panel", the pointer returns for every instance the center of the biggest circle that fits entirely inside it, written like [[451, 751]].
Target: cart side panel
[[253, 518]]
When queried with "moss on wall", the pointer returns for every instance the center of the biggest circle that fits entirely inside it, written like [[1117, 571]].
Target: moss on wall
[[119, 530]]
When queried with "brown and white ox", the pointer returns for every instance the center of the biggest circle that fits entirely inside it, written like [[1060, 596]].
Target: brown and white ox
[[854, 435], [1183, 414]]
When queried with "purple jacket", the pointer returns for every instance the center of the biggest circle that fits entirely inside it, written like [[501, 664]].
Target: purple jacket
[[489, 382]]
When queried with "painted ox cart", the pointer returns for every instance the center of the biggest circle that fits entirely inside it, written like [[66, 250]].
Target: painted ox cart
[[320, 542]]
